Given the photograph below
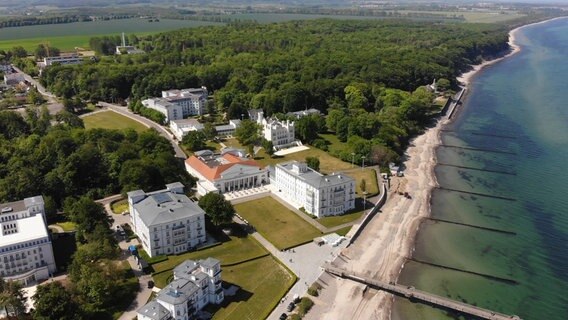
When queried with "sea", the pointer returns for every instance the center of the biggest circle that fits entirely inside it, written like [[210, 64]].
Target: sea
[[498, 233]]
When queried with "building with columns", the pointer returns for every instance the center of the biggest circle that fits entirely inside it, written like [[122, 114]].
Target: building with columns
[[320, 195], [195, 285], [166, 221], [225, 172], [26, 254]]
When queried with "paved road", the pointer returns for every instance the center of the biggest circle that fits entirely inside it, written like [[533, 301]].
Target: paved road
[[144, 293], [53, 105], [148, 123]]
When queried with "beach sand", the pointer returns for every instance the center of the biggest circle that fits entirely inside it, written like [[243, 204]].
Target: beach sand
[[386, 242]]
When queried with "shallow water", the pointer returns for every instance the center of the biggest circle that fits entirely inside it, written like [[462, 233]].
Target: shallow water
[[517, 114]]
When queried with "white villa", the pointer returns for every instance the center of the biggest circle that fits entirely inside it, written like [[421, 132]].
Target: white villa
[[166, 221], [281, 133], [225, 172], [196, 284], [179, 104], [26, 254], [319, 195]]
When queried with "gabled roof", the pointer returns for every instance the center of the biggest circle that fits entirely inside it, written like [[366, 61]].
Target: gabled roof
[[164, 207]]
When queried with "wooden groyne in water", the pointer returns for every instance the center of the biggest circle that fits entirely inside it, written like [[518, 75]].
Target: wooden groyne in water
[[426, 297]]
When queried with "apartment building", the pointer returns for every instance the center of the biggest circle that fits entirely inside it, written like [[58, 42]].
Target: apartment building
[[166, 221]]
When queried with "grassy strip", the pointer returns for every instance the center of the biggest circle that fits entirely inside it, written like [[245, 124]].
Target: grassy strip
[[112, 120]]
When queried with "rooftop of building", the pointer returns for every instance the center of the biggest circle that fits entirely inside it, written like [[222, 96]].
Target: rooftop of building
[[164, 206], [178, 291], [209, 262], [312, 177], [154, 310], [211, 165], [175, 94], [28, 229], [187, 122]]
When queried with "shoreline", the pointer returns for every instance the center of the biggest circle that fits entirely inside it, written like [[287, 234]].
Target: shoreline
[[383, 248]]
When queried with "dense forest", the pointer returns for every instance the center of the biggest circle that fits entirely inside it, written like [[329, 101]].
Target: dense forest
[[65, 160], [366, 71]]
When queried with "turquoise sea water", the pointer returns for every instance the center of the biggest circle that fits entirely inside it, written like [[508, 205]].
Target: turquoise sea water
[[519, 108]]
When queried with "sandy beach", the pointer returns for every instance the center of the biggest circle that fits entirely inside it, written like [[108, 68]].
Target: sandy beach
[[386, 242]]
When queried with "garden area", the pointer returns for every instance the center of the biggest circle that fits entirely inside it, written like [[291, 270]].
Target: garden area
[[282, 227], [118, 207]]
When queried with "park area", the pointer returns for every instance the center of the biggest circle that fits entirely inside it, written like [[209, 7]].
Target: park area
[[111, 120], [241, 259], [282, 227]]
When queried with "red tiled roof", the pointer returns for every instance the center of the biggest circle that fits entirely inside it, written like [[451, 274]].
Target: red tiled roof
[[214, 173]]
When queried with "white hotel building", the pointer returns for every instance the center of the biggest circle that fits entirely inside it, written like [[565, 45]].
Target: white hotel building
[[196, 284], [281, 133], [26, 254], [166, 221], [179, 104], [319, 195]]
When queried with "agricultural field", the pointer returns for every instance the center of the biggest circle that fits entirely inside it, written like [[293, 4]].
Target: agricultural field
[[111, 120], [67, 36], [473, 17]]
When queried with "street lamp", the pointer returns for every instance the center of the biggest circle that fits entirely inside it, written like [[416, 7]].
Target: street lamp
[[363, 167], [353, 160], [364, 201]]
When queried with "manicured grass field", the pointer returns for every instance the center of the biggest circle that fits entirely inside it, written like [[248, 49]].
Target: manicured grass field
[[119, 206], [343, 231], [263, 282], [282, 227], [111, 120], [70, 35], [236, 250], [328, 163], [370, 177]]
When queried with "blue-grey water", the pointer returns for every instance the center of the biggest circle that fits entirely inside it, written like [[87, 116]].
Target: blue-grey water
[[519, 108]]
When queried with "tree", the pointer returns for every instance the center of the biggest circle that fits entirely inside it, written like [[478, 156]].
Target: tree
[[194, 140], [333, 118], [363, 186], [53, 301], [34, 97], [219, 210], [12, 298], [69, 119], [307, 129], [19, 52], [209, 130], [248, 133], [313, 162], [268, 147], [443, 84]]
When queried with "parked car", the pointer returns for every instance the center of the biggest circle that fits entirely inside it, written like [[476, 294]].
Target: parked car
[[283, 316], [291, 306], [150, 284]]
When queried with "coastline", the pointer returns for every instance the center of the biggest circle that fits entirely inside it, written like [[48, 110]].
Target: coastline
[[389, 239]]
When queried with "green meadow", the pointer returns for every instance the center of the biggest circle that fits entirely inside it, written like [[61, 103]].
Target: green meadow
[[67, 36]]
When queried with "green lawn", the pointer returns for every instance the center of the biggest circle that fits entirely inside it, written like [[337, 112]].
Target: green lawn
[[263, 282], [236, 250], [334, 144], [334, 221], [111, 120], [328, 163], [67, 226], [282, 227], [343, 231], [119, 206], [370, 177], [67, 36]]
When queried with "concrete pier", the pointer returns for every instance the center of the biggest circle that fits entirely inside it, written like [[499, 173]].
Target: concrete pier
[[412, 293]]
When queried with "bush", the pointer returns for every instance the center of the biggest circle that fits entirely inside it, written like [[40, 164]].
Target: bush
[[304, 306], [313, 290]]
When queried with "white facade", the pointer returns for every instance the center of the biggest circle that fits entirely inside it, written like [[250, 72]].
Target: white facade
[[63, 60], [195, 285], [179, 104], [225, 172], [281, 133], [319, 195], [181, 127], [166, 221], [26, 254]]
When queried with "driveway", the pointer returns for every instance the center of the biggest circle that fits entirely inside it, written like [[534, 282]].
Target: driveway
[[148, 123]]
